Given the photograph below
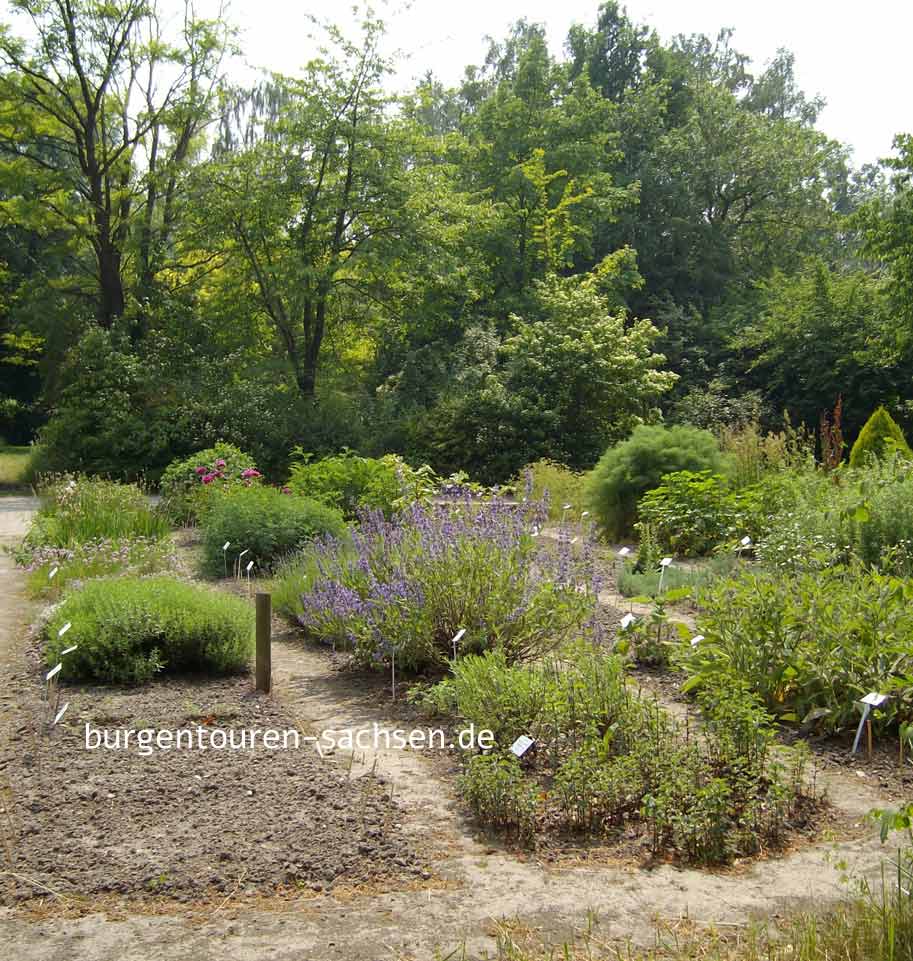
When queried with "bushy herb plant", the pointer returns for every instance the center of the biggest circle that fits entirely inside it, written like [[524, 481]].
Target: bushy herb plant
[[809, 644], [267, 523], [408, 585], [127, 629]]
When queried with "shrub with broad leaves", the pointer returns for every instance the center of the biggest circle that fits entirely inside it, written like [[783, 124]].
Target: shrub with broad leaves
[[189, 484]]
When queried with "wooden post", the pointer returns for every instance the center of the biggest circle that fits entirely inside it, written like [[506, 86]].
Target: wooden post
[[264, 641], [868, 731]]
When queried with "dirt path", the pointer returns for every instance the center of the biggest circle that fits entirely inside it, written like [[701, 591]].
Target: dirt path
[[476, 882], [15, 610]]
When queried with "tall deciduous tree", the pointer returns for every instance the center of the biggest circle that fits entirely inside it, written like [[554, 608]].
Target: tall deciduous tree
[[105, 110], [323, 195]]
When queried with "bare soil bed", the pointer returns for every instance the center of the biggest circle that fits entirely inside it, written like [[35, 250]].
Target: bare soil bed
[[187, 823]]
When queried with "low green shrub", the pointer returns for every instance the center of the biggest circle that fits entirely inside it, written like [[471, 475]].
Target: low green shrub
[[557, 485], [499, 795], [607, 760], [350, 483], [189, 483], [692, 513], [127, 629], [630, 469], [78, 510], [267, 523], [809, 644], [880, 437], [634, 582]]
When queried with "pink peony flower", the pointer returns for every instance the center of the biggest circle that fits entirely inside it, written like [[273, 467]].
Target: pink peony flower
[[209, 478], [251, 472], [286, 490], [220, 462], [200, 470]]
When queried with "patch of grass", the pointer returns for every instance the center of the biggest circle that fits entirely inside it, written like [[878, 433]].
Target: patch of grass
[[869, 926], [95, 559], [78, 510], [127, 629], [14, 462]]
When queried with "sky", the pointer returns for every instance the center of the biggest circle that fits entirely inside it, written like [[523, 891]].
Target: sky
[[855, 56]]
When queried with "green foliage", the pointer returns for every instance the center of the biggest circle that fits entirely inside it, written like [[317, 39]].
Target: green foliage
[[605, 759], [847, 315], [809, 644], [813, 521], [576, 690], [545, 480], [631, 468], [497, 793], [127, 629], [406, 587], [879, 438], [103, 558], [77, 510], [265, 522], [184, 494], [691, 513], [103, 420], [349, 482]]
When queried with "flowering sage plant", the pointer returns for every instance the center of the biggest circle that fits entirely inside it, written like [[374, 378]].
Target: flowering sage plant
[[404, 587]]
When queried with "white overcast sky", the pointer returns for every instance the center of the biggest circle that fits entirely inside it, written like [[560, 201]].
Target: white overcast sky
[[855, 55]]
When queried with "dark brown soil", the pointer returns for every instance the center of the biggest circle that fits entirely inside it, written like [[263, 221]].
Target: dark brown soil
[[187, 823]]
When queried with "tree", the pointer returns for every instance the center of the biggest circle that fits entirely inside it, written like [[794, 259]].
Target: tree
[[880, 436], [312, 196], [819, 334], [83, 109], [582, 366]]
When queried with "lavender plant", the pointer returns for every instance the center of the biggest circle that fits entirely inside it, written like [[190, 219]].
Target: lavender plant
[[406, 586]]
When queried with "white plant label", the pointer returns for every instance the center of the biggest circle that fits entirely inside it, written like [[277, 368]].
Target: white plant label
[[696, 639], [566, 507], [585, 514], [245, 551], [875, 699], [69, 650], [61, 712], [574, 540], [226, 545], [458, 636], [53, 672], [665, 562], [523, 743], [745, 541], [249, 566], [624, 552], [53, 573], [627, 621], [64, 629]]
